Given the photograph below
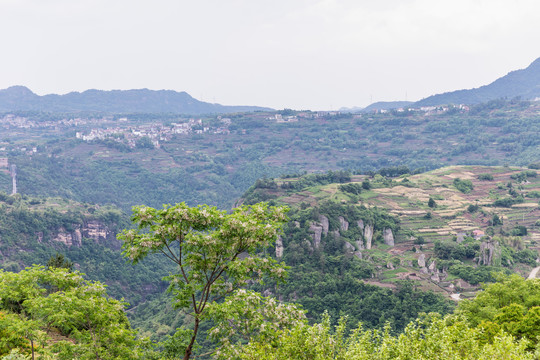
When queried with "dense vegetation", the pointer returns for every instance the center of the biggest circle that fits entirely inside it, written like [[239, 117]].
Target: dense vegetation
[[29, 226], [216, 168], [358, 161], [53, 313]]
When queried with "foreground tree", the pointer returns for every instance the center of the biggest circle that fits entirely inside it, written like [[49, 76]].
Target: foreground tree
[[37, 304], [427, 338], [511, 304], [216, 253]]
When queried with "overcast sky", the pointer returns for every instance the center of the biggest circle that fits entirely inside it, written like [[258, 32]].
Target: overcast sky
[[301, 54]]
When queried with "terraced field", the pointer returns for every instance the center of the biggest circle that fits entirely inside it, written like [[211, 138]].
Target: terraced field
[[450, 216], [454, 215]]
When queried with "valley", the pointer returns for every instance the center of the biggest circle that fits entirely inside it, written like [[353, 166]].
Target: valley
[[392, 213]]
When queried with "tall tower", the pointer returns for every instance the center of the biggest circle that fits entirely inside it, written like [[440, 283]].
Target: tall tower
[[13, 170]]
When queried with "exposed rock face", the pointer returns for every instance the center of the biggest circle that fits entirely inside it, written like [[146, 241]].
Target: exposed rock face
[[432, 267], [348, 247], [368, 235], [317, 232], [336, 234], [390, 265], [76, 237], [360, 244], [279, 247], [422, 260], [358, 254], [64, 237], [318, 229], [92, 229], [490, 253], [361, 224], [324, 223], [388, 237], [73, 238], [96, 230], [343, 224]]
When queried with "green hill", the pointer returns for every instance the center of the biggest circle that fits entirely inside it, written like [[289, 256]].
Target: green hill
[[381, 230]]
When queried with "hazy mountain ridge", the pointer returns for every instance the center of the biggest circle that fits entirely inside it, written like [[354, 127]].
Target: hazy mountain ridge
[[387, 105], [114, 101], [524, 83]]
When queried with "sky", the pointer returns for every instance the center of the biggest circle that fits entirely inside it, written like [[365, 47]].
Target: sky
[[300, 54]]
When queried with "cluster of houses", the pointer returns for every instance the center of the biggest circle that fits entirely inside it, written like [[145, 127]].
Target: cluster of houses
[[427, 110], [279, 118], [156, 132]]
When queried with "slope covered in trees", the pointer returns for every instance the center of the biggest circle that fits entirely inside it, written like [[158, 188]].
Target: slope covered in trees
[[55, 313], [217, 165]]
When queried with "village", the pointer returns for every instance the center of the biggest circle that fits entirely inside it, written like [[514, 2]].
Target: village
[[156, 132], [130, 132]]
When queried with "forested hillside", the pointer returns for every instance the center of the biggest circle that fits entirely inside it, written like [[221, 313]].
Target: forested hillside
[[155, 159], [34, 229]]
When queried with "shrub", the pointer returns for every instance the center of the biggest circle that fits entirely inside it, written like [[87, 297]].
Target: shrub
[[519, 230], [496, 220], [486, 177], [507, 202], [465, 186], [366, 184], [351, 188]]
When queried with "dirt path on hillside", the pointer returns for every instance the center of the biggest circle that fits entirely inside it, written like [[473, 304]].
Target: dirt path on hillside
[[533, 273]]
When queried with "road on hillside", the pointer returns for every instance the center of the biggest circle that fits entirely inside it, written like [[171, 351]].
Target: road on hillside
[[533, 273]]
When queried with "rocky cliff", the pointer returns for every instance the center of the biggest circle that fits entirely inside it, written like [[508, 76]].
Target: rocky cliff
[[90, 229]]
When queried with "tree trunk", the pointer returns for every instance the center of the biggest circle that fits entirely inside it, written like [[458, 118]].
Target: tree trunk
[[189, 349]]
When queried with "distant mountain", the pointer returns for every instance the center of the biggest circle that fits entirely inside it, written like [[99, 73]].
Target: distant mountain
[[352, 110], [115, 101], [524, 83], [380, 105], [386, 105]]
